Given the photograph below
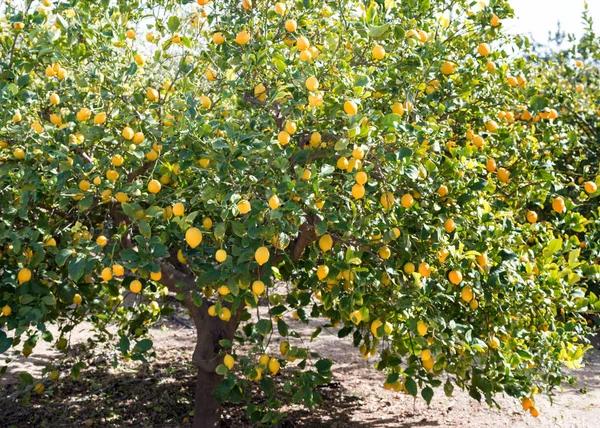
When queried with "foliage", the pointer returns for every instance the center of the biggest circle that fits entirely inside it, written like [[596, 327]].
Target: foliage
[[382, 158]]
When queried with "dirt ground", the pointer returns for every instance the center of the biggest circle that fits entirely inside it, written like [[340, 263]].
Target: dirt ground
[[161, 393]]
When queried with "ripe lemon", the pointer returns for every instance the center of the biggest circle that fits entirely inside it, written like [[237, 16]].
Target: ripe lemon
[[225, 314], [244, 206], [6, 310], [280, 8], [54, 99], [442, 190], [135, 286], [228, 361], [178, 209], [425, 270], [409, 268], [283, 137], [503, 175], [527, 403], [274, 366], [491, 126], [531, 216], [221, 256], [322, 272], [83, 114], [495, 21], [455, 277], [261, 255], [398, 108], [422, 328], [358, 191], [154, 186], [312, 84], [449, 225], [378, 52], [77, 299], [193, 237], [84, 185], [407, 200], [315, 139], [258, 287], [385, 252], [106, 274], [207, 223], [467, 293], [101, 240], [50, 242], [242, 37], [361, 177], [387, 200], [494, 343], [118, 270], [291, 25], [342, 163], [24, 275], [302, 43], [325, 242], [558, 204], [350, 107], [358, 153], [590, 187], [447, 68], [490, 165], [224, 290], [127, 133], [156, 276], [484, 49], [274, 202]]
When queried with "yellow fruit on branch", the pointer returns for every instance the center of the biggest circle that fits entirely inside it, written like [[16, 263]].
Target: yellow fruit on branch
[[193, 237]]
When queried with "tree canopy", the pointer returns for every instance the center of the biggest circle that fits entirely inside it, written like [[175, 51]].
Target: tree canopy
[[405, 172]]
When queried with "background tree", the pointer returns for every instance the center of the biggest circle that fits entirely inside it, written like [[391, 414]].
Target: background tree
[[389, 162]]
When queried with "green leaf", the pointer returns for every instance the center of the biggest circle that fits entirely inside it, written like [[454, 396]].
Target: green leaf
[[221, 369], [196, 298], [427, 394], [264, 326], [554, 246], [5, 342], [143, 345], [377, 32], [76, 267], [63, 255], [448, 388], [538, 103], [411, 386], [282, 327], [124, 345], [145, 229], [25, 378], [323, 365], [49, 300], [173, 23]]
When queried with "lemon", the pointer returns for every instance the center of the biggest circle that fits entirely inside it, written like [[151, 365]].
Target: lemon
[[422, 328], [106, 274], [24, 275], [154, 186], [274, 366], [135, 286], [244, 206], [322, 272], [375, 326], [467, 293], [193, 237], [261, 255], [229, 361], [455, 277], [156, 276], [325, 242], [178, 209], [221, 256]]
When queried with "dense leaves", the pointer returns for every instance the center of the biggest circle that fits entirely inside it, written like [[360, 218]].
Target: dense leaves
[[408, 179]]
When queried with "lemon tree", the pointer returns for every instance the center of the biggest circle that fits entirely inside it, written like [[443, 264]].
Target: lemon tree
[[386, 168]]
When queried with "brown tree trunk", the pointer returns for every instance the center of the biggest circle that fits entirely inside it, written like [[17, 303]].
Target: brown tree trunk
[[208, 354], [207, 410]]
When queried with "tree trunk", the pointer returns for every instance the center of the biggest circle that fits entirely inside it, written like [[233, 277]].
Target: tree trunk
[[207, 410], [208, 354]]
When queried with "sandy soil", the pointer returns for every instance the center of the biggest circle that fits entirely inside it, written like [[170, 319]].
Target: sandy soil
[[161, 393]]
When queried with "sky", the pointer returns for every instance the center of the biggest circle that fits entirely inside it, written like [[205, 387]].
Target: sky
[[535, 18]]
